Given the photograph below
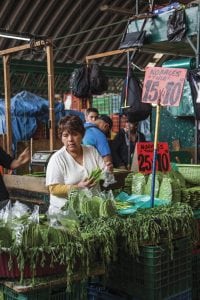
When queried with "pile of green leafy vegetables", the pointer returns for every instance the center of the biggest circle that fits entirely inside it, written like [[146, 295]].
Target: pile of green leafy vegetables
[[168, 186], [78, 243]]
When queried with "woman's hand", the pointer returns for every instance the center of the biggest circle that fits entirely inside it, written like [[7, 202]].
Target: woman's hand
[[86, 183], [109, 166], [23, 158]]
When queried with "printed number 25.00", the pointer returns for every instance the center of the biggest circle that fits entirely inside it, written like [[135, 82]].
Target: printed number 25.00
[[145, 162]]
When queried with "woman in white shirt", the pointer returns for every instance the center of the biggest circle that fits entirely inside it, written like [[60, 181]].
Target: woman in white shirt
[[71, 166]]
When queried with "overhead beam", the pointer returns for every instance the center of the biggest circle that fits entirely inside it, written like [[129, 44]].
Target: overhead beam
[[24, 47], [108, 53]]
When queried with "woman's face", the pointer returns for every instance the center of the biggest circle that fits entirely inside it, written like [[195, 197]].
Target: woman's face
[[72, 141]]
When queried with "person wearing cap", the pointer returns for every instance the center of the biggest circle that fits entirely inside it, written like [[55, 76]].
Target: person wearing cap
[[123, 145], [96, 135]]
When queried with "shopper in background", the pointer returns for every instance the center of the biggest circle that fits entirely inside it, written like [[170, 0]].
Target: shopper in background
[[71, 166], [123, 145], [97, 135], [10, 163], [91, 115]]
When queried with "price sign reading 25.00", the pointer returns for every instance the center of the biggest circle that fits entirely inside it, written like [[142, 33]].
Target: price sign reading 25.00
[[144, 153], [163, 85]]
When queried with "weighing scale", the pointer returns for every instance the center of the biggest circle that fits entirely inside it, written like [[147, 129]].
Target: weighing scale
[[41, 159]]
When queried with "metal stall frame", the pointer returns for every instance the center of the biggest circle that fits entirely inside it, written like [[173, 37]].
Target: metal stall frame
[[153, 47], [47, 45]]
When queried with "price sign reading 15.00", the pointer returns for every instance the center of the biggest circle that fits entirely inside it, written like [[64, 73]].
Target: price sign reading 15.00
[[163, 85]]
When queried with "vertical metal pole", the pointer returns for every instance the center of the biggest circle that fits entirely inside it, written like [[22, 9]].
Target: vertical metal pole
[[129, 147], [197, 122], [136, 9], [127, 79], [6, 70], [50, 69], [155, 154]]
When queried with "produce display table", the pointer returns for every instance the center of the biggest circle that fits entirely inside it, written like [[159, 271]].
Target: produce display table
[[48, 281], [32, 190], [48, 288]]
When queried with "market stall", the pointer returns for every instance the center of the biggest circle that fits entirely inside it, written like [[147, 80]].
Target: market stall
[[145, 251]]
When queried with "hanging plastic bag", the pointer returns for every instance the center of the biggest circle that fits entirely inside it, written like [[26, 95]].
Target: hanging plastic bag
[[176, 26], [131, 100], [133, 39], [98, 81], [194, 81], [79, 82]]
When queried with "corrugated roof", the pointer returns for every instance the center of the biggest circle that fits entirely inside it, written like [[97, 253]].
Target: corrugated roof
[[78, 28]]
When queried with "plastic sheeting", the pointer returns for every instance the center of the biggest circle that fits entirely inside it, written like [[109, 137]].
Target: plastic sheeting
[[185, 108], [26, 110]]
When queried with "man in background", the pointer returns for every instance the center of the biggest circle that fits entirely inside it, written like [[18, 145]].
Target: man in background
[[123, 145], [96, 135], [91, 115]]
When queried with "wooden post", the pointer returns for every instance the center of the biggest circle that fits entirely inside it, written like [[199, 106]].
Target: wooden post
[[5, 54], [50, 69], [6, 69]]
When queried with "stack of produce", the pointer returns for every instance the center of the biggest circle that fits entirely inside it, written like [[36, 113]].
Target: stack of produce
[[191, 196], [34, 240], [167, 185], [128, 183], [86, 231]]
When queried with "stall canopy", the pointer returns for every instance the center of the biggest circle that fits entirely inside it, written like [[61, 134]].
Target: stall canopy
[[27, 110]]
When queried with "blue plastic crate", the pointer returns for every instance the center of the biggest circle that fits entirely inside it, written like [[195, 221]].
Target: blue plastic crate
[[98, 292], [185, 295]]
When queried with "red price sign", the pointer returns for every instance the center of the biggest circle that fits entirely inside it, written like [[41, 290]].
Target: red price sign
[[143, 158], [163, 85]]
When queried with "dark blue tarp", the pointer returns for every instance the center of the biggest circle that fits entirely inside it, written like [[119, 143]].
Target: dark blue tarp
[[26, 110]]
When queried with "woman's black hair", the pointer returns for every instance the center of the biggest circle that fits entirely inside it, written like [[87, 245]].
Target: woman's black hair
[[70, 124]]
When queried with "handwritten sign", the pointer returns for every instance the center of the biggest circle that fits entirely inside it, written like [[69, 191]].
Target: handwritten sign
[[163, 86], [143, 158]]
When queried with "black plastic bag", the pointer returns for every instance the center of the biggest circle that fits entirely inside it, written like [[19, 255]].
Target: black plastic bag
[[176, 26], [79, 82], [133, 39], [131, 97], [194, 80], [98, 81]]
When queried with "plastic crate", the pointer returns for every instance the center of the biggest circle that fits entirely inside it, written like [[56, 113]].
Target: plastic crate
[[116, 103], [154, 275], [78, 292], [185, 295], [196, 274], [103, 103], [98, 292]]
